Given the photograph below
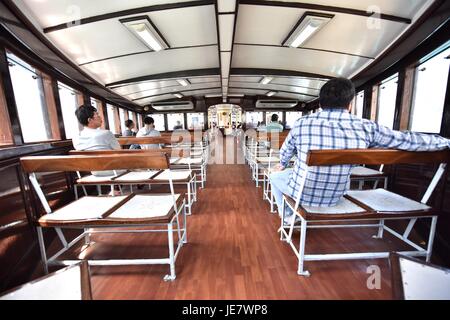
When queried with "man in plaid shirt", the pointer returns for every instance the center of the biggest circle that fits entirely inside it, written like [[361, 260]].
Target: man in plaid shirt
[[335, 128]]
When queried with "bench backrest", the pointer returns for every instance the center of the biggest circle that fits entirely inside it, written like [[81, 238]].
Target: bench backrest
[[95, 162], [173, 152], [150, 140], [374, 157]]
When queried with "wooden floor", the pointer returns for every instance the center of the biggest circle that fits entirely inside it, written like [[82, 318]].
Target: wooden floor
[[234, 252]]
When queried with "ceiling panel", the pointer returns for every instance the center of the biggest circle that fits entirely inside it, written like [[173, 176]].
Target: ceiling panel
[[317, 62], [51, 12], [154, 63], [173, 90], [299, 82], [274, 87], [203, 79], [88, 42], [141, 86], [271, 26], [171, 97], [403, 8]]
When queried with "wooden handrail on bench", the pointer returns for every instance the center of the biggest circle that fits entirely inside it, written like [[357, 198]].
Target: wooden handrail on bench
[[95, 163], [149, 140], [374, 157], [172, 152]]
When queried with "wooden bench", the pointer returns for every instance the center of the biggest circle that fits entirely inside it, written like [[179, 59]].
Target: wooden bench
[[366, 205], [136, 213], [155, 177]]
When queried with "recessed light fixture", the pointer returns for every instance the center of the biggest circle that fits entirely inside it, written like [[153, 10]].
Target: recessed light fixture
[[266, 80], [271, 93], [239, 95], [143, 28], [178, 95], [309, 24], [183, 82]]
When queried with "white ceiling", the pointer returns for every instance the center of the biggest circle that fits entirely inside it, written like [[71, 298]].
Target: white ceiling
[[232, 51]]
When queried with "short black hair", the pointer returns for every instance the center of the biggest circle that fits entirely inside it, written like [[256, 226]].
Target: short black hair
[[128, 123], [337, 93], [149, 120], [274, 117], [84, 113]]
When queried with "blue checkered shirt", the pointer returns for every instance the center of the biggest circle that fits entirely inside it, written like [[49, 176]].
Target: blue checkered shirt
[[338, 129]]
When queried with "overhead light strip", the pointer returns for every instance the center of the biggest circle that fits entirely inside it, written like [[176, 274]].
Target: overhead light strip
[[308, 25], [144, 29]]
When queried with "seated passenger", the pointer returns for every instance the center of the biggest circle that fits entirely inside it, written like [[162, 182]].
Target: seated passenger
[[274, 125], [128, 132], [92, 137], [178, 126], [336, 128], [149, 131]]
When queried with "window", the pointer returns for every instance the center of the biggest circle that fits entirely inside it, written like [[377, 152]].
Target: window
[[140, 122], [429, 94], [386, 101], [291, 117], [34, 114], [269, 116], [174, 119], [159, 121], [252, 119], [6, 137], [112, 119], [122, 120], [195, 121], [359, 104], [68, 99]]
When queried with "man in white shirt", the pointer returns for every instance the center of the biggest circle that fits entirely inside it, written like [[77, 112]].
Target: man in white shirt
[[92, 137], [149, 131]]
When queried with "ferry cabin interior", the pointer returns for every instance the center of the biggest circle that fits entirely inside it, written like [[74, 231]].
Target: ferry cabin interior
[[220, 69]]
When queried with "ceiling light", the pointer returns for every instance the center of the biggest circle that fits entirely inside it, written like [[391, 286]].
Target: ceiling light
[[309, 24], [271, 93], [145, 30], [266, 80], [184, 82], [213, 95], [178, 95], [239, 95]]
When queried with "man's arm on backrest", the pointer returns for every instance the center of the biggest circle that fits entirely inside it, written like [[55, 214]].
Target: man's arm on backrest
[[289, 149], [383, 137]]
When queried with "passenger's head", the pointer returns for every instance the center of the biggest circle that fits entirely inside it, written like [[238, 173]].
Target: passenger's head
[[337, 93], [274, 118], [129, 124], [88, 116], [149, 122]]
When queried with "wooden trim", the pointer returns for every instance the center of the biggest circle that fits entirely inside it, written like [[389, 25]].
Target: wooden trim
[[112, 15], [374, 103], [445, 127], [167, 75], [117, 125], [173, 152], [396, 277], [50, 105], [6, 137], [58, 106], [318, 7], [374, 157], [94, 163], [406, 99], [104, 111], [86, 289], [10, 100]]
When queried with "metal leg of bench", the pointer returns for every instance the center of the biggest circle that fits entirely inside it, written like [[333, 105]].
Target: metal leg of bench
[[172, 275], [301, 257], [42, 249], [431, 238]]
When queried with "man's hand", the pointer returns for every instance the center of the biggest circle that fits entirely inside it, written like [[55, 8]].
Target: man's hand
[[277, 168]]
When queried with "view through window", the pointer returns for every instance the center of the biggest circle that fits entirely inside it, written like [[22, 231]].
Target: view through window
[[386, 101]]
